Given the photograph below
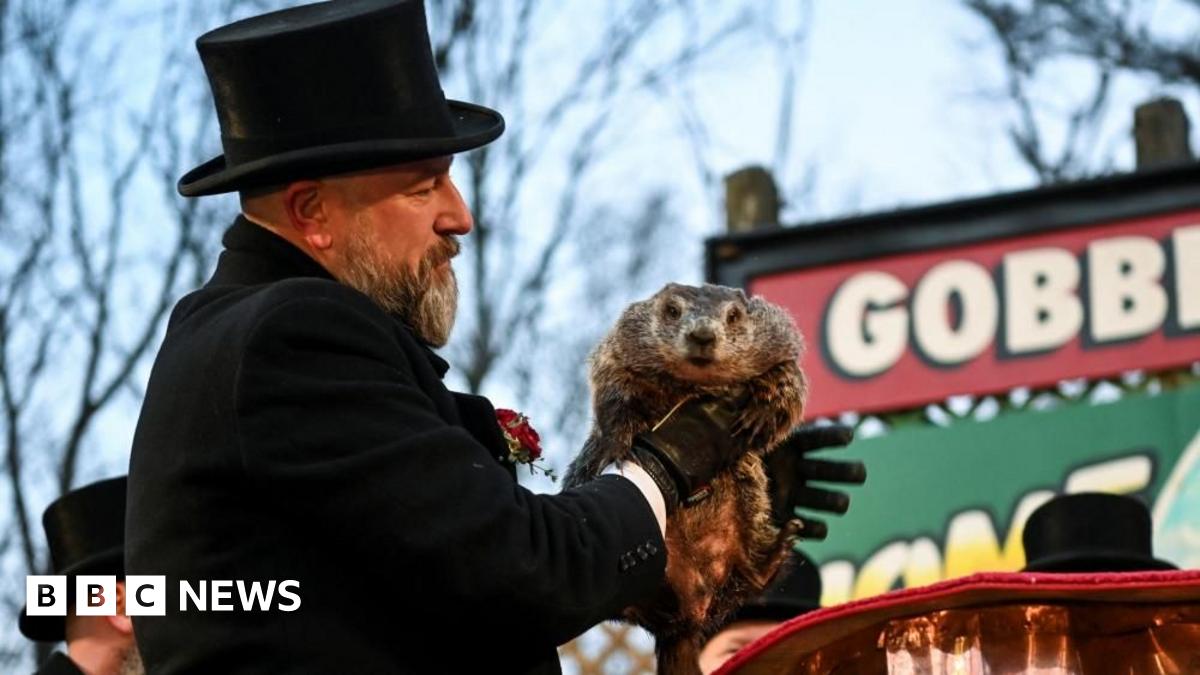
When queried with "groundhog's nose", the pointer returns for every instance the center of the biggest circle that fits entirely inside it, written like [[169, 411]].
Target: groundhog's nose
[[702, 336]]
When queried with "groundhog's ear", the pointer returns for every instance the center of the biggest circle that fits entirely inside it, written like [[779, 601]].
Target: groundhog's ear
[[756, 305]]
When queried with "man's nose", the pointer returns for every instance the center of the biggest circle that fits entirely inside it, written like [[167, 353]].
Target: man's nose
[[455, 218]]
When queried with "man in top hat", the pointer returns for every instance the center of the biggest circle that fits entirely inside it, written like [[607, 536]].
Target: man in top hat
[[1090, 532], [85, 530], [295, 426], [796, 592]]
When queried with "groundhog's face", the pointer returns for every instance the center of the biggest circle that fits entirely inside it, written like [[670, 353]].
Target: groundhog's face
[[709, 334]]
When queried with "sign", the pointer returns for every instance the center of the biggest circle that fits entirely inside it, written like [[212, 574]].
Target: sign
[[946, 502], [910, 307], [905, 330]]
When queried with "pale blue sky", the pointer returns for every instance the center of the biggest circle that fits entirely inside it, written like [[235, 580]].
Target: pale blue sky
[[890, 111]]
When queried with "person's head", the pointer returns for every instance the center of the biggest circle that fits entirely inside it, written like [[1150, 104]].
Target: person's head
[[795, 591], [345, 149], [85, 534], [389, 233], [731, 639], [104, 644]]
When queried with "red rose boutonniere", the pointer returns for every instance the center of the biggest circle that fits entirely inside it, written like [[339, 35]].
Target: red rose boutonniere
[[524, 444]]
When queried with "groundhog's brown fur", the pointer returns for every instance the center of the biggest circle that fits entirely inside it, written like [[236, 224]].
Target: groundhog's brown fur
[[684, 342]]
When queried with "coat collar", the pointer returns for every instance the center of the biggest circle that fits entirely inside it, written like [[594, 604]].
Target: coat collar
[[440, 366], [254, 255], [59, 664]]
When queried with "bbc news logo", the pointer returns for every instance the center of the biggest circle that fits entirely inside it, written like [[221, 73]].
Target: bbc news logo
[[146, 595]]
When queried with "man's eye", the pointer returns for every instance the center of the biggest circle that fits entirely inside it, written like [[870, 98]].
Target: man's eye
[[424, 189]]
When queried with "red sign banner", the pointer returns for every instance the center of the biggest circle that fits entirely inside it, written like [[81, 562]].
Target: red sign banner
[[904, 330]]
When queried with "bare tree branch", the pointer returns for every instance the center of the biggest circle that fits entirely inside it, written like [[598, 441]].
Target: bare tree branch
[[1102, 34]]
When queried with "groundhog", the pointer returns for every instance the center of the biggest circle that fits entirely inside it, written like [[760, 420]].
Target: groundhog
[[684, 342]]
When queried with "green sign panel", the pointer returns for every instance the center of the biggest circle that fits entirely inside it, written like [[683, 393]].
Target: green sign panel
[[945, 502]]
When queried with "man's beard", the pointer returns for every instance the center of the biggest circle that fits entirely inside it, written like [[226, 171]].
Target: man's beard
[[132, 663], [425, 300]]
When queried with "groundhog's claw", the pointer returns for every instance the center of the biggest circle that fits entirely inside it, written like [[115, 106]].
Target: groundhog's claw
[[755, 427], [758, 427]]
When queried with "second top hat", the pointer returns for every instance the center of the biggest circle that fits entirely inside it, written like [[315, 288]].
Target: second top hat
[[85, 529], [1090, 532]]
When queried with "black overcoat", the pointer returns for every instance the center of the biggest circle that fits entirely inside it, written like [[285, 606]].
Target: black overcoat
[[59, 664], [291, 429]]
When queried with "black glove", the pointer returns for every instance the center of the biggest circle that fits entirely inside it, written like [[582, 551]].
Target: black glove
[[688, 448], [790, 470]]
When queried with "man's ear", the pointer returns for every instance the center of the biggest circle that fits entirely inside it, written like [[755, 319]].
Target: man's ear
[[119, 621], [305, 203]]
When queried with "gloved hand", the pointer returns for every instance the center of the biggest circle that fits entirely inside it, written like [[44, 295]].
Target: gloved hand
[[688, 448], [790, 470]]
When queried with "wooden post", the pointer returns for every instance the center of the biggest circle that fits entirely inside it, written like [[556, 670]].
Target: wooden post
[[751, 200], [1160, 132]]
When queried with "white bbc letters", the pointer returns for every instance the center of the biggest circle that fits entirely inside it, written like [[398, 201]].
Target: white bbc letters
[[95, 595], [222, 595], [46, 595], [145, 595]]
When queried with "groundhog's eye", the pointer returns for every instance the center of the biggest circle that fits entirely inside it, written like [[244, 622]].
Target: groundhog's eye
[[734, 316], [672, 311]]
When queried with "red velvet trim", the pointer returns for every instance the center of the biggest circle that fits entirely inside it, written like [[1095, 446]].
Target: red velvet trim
[[810, 631]]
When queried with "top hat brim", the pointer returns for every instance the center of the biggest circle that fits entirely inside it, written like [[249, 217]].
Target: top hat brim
[[1097, 561], [474, 126], [54, 628], [42, 628]]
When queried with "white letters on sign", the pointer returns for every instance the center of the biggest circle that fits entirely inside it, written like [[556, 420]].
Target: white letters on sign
[[867, 324], [1121, 288], [962, 288], [1043, 311]]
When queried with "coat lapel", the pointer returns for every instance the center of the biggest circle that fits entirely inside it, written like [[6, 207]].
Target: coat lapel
[[479, 418]]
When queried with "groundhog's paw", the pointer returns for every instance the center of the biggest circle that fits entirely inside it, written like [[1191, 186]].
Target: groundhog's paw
[[783, 389], [789, 533], [756, 428]]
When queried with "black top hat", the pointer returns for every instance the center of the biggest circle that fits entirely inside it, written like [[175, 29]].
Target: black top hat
[[328, 88], [85, 529], [795, 592], [1090, 532]]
